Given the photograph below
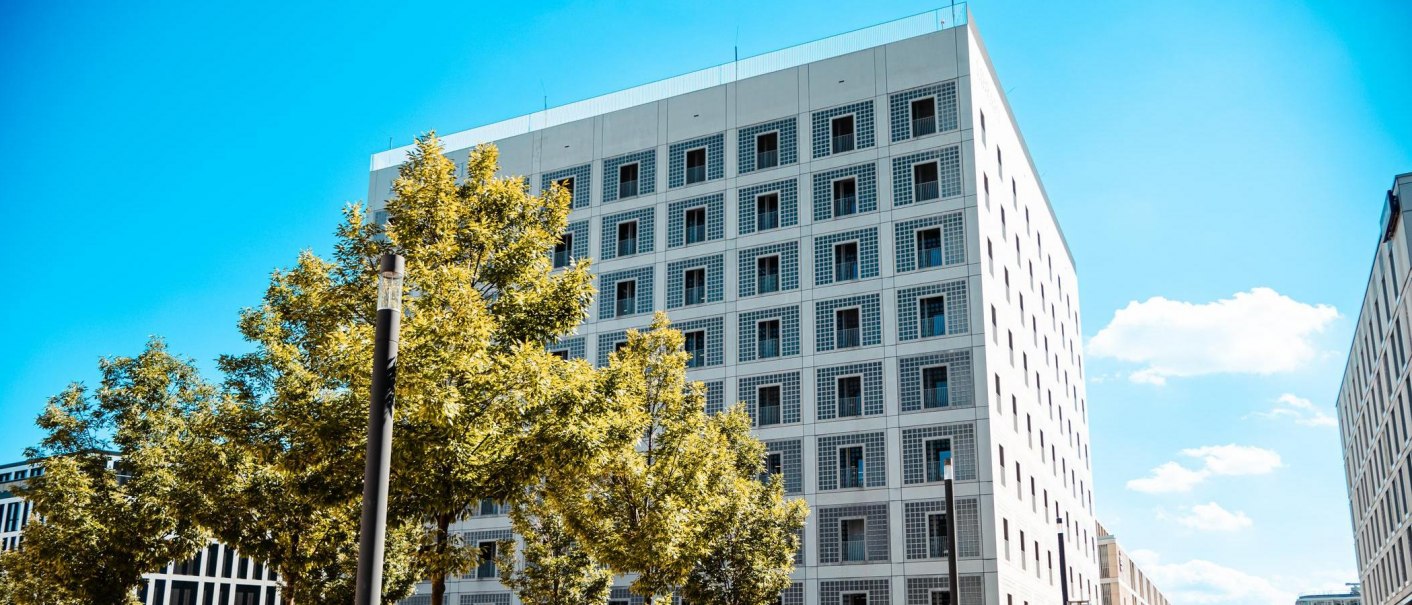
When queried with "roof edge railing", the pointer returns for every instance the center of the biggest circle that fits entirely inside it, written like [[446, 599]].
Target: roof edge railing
[[824, 48]]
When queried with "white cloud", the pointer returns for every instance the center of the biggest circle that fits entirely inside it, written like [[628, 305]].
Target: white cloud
[[1213, 517], [1255, 332], [1170, 477], [1300, 410], [1236, 459], [1200, 581]]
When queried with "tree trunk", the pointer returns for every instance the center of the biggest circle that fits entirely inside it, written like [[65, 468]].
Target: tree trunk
[[438, 576]]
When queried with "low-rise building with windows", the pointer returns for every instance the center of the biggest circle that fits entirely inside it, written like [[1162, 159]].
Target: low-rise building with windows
[[1123, 582]]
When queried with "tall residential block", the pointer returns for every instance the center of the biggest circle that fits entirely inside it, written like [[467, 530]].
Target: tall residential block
[[856, 244], [1372, 415], [1123, 582]]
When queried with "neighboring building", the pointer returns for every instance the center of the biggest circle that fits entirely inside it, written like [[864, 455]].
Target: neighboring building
[[857, 246], [1352, 597], [216, 576], [1373, 414], [1123, 582]]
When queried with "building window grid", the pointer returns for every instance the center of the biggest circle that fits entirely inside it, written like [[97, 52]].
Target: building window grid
[[963, 451], [909, 314], [971, 587], [646, 161], [715, 396], [831, 591], [583, 183], [822, 121], [948, 161], [788, 277], [875, 531], [791, 463], [867, 254], [865, 189], [715, 218], [642, 297], [714, 327], [874, 458], [573, 348], [826, 387], [953, 240], [748, 391], [715, 159], [788, 213], [900, 109], [966, 526], [788, 149], [870, 320], [746, 332], [477, 537], [715, 279], [609, 231]]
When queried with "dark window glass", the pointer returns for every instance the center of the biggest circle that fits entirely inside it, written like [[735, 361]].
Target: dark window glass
[[842, 129], [695, 286], [563, 249], [486, 570], [850, 396], [695, 166], [767, 211], [695, 225], [627, 180], [768, 403], [928, 248], [696, 347], [854, 539], [938, 453], [767, 150], [850, 466], [768, 341], [767, 274], [936, 537], [845, 197], [923, 116], [845, 261], [934, 393], [846, 328], [933, 311], [626, 298], [568, 185], [924, 182], [627, 238]]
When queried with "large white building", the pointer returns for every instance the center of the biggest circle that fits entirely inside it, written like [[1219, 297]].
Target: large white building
[[1373, 414], [854, 239], [216, 576]]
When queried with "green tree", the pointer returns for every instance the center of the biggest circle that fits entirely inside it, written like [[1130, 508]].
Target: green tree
[[753, 534], [557, 570], [486, 409], [98, 526], [283, 456], [658, 507]]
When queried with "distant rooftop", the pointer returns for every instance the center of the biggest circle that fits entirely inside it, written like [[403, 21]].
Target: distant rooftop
[[794, 56]]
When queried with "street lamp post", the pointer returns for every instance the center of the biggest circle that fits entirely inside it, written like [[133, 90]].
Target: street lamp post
[[948, 471], [1063, 567], [379, 453]]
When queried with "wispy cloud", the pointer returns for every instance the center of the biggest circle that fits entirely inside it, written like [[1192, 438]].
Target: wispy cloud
[[1231, 460], [1213, 517], [1255, 332], [1204, 582], [1299, 410]]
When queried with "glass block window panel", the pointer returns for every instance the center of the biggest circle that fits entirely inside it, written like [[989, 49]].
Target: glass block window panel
[[608, 343], [932, 590], [944, 171], [573, 245], [832, 396], [767, 145], [710, 334], [905, 111], [706, 214], [715, 396], [791, 463], [867, 332], [485, 598], [483, 538], [629, 175], [867, 254], [710, 271], [853, 131], [958, 382], [967, 525], [939, 239], [635, 239], [756, 271], [748, 331], [695, 161], [832, 191], [911, 312], [874, 458], [914, 451], [770, 398], [576, 179], [767, 206], [570, 348], [853, 534], [628, 300], [854, 592], [794, 595]]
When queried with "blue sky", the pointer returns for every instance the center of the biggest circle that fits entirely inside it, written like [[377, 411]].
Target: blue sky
[[162, 158]]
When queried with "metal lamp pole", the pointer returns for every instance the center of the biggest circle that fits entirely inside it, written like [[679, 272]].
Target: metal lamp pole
[[948, 471], [1063, 566], [379, 454]]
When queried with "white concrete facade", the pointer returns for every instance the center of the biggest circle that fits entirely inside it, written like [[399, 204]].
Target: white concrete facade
[[1011, 411], [1373, 414]]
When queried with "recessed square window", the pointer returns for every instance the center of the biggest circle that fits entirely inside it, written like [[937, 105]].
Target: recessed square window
[[627, 238], [627, 180], [768, 339], [767, 150], [853, 537], [929, 248], [694, 285], [625, 298], [923, 116], [842, 131], [933, 316], [568, 185], [767, 274], [767, 211], [938, 452], [845, 261], [845, 197], [768, 405], [563, 250], [934, 391], [850, 466], [846, 331], [695, 225], [850, 396], [924, 182], [695, 166], [696, 347]]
